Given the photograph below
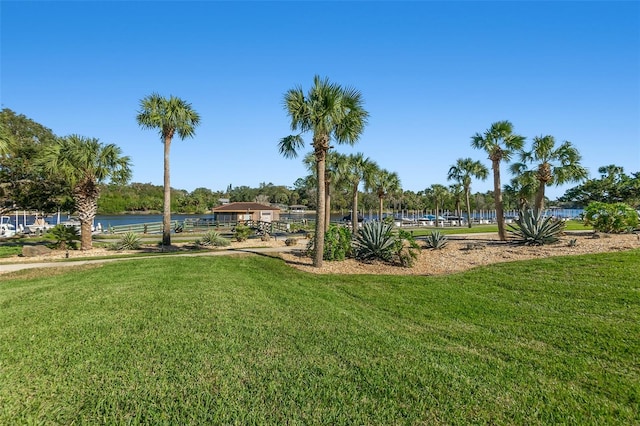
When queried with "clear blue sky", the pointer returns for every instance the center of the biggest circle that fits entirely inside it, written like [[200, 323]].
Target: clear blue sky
[[432, 74]]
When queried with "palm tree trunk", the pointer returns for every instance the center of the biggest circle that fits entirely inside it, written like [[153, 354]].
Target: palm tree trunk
[[327, 206], [466, 193], [540, 196], [497, 194], [354, 213], [166, 216], [380, 212], [321, 209]]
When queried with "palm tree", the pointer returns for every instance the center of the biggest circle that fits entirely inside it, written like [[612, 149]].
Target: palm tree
[[463, 171], [383, 183], [169, 116], [457, 191], [438, 193], [329, 111], [554, 166], [85, 163], [499, 142], [331, 177], [523, 187], [353, 169]]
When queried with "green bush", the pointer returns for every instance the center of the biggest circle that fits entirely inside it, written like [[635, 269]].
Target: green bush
[[213, 239], [242, 232], [65, 237], [610, 218], [406, 249], [531, 229], [129, 241], [337, 243]]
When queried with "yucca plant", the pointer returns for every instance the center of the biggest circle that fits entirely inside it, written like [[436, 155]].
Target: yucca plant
[[531, 229], [375, 241], [129, 241], [213, 239], [436, 240]]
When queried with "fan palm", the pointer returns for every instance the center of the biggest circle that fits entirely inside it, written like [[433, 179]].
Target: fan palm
[[463, 171], [383, 183], [438, 193], [354, 169], [170, 116], [554, 165], [499, 142], [329, 111], [85, 163], [331, 177]]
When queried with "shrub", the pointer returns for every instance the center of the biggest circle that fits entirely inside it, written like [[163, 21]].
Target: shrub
[[65, 237], [291, 241], [213, 239], [375, 241], [406, 249], [242, 232], [129, 241], [531, 229], [610, 218], [337, 243], [436, 240]]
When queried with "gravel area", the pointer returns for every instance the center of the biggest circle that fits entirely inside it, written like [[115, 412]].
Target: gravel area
[[466, 252], [462, 252]]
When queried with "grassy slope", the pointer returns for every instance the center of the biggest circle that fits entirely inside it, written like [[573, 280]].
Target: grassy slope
[[248, 340]]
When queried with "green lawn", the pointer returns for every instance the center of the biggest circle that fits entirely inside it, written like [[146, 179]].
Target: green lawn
[[248, 340]]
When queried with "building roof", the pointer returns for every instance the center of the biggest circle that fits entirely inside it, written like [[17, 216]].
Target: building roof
[[243, 207]]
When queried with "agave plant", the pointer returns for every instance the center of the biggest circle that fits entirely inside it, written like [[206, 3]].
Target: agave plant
[[375, 241], [531, 229], [436, 240], [213, 239]]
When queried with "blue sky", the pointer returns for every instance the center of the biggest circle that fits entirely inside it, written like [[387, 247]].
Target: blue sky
[[432, 74]]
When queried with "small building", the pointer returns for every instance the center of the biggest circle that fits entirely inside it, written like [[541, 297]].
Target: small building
[[244, 211]]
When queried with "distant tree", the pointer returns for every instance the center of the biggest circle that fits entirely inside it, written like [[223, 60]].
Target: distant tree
[[551, 165], [23, 183], [457, 193], [169, 116], [329, 111], [463, 171], [382, 183], [438, 194], [523, 188], [613, 186], [499, 142], [85, 163]]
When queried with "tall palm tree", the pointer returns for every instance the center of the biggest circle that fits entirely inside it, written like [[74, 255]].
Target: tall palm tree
[[85, 163], [354, 169], [169, 116], [499, 142], [457, 191], [329, 111], [331, 177], [553, 165], [383, 183], [438, 193], [463, 171]]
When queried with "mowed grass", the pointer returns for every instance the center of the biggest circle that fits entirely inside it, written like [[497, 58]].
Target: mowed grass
[[248, 340]]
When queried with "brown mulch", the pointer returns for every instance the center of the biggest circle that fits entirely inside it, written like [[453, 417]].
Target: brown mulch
[[464, 253], [461, 253]]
